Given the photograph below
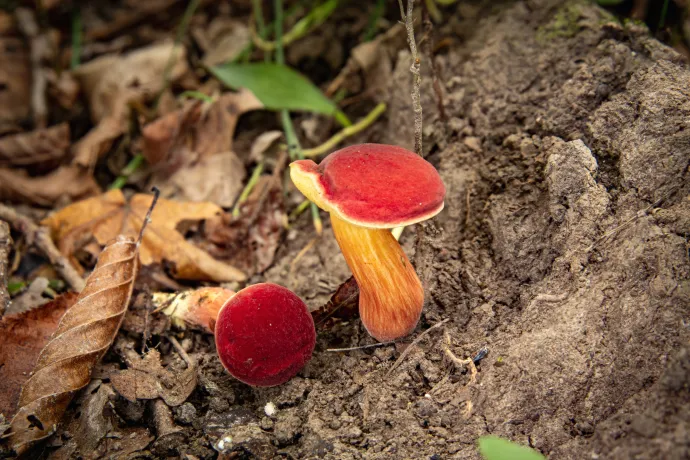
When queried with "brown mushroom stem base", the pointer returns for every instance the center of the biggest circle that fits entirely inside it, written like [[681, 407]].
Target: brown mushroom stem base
[[391, 296]]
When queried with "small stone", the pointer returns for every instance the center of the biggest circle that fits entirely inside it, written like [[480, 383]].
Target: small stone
[[474, 143], [270, 409], [185, 414]]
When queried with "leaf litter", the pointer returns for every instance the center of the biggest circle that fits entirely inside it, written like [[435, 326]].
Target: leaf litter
[[129, 85], [108, 215]]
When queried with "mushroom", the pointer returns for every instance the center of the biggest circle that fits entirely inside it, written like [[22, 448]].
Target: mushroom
[[264, 333], [369, 189]]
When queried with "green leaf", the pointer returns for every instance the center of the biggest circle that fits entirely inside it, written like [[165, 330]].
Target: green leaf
[[495, 448], [278, 87]]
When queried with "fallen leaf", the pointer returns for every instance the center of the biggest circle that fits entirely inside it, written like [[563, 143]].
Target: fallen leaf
[[262, 143], [222, 40], [108, 215], [251, 241], [179, 138], [69, 182], [198, 308], [15, 81], [93, 423], [147, 379], [343, 304], [22, 337], [40, 146], [218, 179], [111, 83], [84, 334]]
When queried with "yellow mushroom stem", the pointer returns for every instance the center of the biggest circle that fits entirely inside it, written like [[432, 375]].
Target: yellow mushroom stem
[[391, 296]]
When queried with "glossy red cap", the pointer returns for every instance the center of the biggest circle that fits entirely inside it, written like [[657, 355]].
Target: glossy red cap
[[264, 335], [372, 185]]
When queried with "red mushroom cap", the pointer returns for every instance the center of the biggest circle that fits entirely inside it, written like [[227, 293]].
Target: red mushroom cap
[[373, 185], [264, 335]]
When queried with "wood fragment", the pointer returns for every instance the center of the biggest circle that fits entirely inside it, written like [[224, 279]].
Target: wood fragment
[[40, 236], [5, 248]]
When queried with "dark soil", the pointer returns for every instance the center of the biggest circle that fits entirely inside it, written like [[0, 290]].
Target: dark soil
[[563, 248]]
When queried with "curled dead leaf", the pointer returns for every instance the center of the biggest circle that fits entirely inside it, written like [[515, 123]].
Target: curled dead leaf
[[84, 334], [109, 214], [69, 182], [22, 337], [146, 378], [41, 146]]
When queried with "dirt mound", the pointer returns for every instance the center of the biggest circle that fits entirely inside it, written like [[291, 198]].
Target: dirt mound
[[563, 248]]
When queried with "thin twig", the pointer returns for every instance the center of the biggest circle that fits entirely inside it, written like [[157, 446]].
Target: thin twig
[[40, 236], [344, 133], [408, 19], [407, 351], [147, 219], [362, 347], [5, 249]]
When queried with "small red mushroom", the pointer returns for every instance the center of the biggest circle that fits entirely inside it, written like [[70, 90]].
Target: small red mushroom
[[264, 335], [368, 189]]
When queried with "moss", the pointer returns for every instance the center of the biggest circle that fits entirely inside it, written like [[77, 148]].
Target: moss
[[565, 23]]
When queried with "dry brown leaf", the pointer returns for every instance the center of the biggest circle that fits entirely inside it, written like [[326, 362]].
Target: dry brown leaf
[[196, 131], [251, 241], [147, 379], [108, 215], [218, 179], [344, 304], [40, 146], [111, 83], [15, 81], [222, 40], [69, 182], [84, 334], [22, 337]]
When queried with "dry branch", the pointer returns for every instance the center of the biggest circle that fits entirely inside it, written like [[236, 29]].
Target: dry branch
[[40, 236]]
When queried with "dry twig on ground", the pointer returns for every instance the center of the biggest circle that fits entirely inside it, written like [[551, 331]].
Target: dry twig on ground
[[408, 18], [5, 247], [41, 238]]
